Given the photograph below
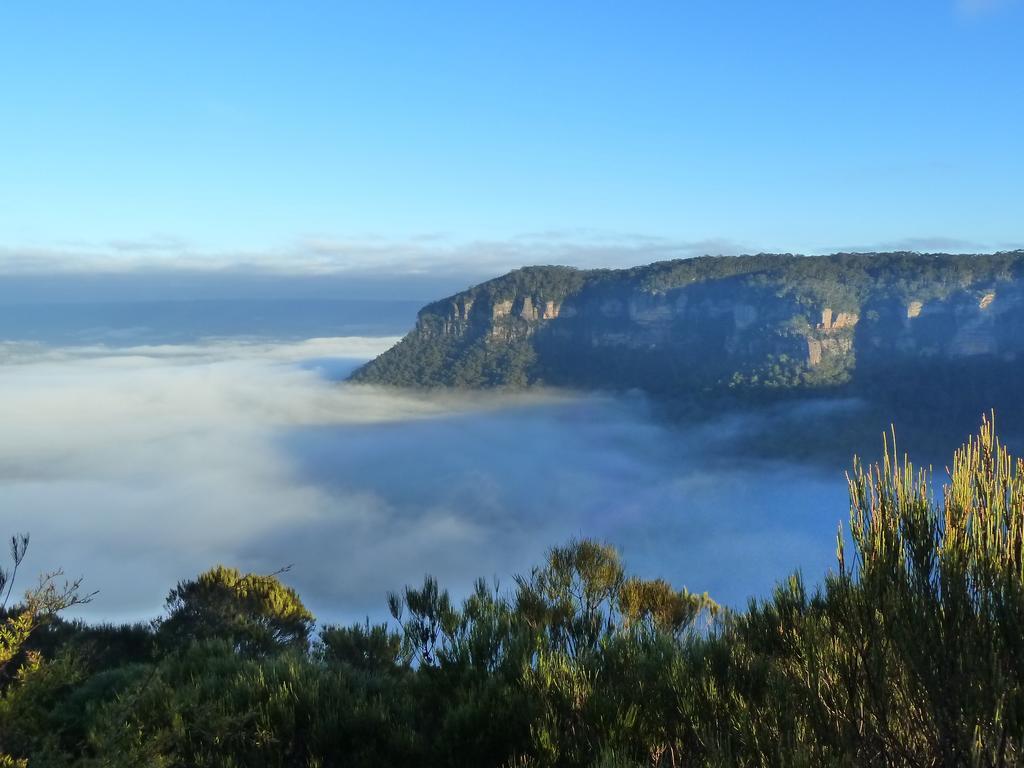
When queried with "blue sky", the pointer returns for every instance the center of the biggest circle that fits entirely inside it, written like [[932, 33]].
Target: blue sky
[[421, 136]]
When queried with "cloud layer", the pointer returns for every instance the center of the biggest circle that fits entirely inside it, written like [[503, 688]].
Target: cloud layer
[[141, 466], [421, 267], [431, 254]]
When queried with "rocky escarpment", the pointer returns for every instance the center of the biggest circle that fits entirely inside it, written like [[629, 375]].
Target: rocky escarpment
[[765, 322]]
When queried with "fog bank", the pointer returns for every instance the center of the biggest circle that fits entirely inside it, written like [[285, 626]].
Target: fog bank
[[139, 466]]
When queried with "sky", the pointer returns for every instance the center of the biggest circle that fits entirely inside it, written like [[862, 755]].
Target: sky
[[412, 138]]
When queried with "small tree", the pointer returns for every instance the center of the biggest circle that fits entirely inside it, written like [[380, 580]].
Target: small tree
[[256, 613], [656, 606], [936, 594], [573, 596], [51, 595], [428, 620], [367, 647]]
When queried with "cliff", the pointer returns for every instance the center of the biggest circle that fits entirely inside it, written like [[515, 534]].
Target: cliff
[[765, 322]]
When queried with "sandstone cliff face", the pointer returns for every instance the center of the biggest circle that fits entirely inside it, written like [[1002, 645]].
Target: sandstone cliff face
[[738, 322], [721, 320], [982, 320], [625, 329]]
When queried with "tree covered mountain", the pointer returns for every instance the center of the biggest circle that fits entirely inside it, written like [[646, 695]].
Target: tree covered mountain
[[750, 326]]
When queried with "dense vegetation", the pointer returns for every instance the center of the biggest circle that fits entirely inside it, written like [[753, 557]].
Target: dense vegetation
[[461, 342], [843, 281], [911, 653]]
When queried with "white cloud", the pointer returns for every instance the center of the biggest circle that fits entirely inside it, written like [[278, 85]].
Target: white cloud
[[138, 467], [920, 244], [431, 254]]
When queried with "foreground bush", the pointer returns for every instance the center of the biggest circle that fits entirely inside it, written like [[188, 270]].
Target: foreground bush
[[909, 654]]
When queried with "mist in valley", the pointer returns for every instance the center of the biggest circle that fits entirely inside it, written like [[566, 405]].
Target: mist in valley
[[139, 466]]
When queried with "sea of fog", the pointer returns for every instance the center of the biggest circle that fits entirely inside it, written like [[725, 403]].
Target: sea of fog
[[143, 450]]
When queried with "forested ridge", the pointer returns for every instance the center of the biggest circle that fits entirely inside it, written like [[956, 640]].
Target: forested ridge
[[842, 280], [751, 327], [909, 653]]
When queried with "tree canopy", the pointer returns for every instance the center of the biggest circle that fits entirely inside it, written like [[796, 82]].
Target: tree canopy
[[257, 614]]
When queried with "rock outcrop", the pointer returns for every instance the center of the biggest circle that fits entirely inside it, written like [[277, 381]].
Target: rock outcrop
[[762, 321]]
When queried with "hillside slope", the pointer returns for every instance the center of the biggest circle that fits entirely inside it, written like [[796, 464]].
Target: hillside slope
[[764, 323]]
